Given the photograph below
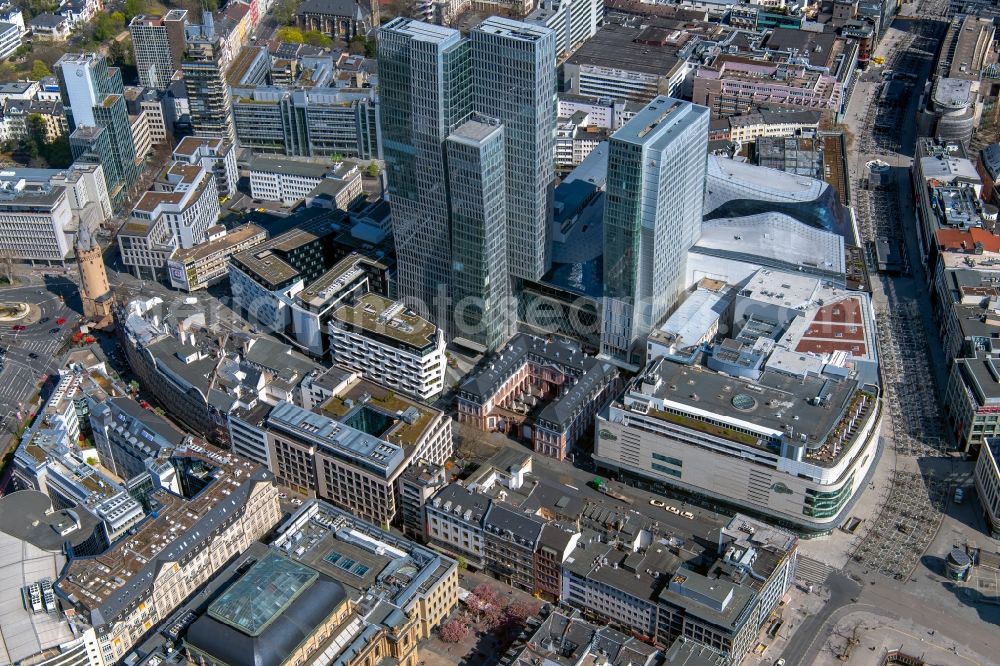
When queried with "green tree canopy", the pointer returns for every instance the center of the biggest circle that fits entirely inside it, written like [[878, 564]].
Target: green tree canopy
[[104, 28], [317, 38], [121, 53], [290, 34], [39, 70], [134, 8]]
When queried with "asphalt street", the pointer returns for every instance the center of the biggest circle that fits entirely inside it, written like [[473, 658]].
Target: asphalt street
[[810, 636], [21, 374]]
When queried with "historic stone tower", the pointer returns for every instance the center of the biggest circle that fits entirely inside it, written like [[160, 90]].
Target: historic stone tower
[[94, 289]]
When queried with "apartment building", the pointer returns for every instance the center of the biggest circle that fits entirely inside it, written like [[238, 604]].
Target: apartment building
[[453, 522], [159, 46], [353, 451], [210, 508], [10, 39], [204, 264], [389, 344], [126, 435], [314, 307], [214, 155], [176, 213], [265, 279], [660, 596]]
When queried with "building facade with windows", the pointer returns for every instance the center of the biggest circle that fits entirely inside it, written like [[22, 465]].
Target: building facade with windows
[[159, 46], [353, 451], [514, 80], [389, 344], [481, 293], [653, 215]]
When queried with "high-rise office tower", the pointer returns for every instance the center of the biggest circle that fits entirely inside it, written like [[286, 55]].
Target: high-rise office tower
[[483, 313], [423, 90], [159, 46], [514, 80], [653, 214], [94, 97], [209, 99]]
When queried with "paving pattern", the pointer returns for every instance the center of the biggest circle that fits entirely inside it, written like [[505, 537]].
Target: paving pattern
[[906, 525]]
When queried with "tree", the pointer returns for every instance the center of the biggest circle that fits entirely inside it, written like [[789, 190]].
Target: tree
[[284, 11], [317, 38], [290, 34], [39, 70], [134, 8], [122, 53], [7, 72], [118, 19], [520, 610], [487, 594], [104, 28], [453, 631], [373, 169], [337, 158], [463, 563]]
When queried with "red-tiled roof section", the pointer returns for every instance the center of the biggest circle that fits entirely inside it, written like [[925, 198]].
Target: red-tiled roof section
[[950, 240]]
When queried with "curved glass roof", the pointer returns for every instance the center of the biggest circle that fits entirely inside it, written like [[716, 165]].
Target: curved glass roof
[[262, 594]]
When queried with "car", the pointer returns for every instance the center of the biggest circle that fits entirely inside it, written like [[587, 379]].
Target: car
[[688, 515], [61, 320], [53, 331], [20, 327], [656, 502], [44, 320], [673, 509], [32, 355], [780, 662]]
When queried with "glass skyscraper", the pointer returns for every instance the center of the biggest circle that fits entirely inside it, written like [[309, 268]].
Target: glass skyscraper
[[652, 217], [94, 94], [424, 93], [514, 80], [450, 235], [477, 187]]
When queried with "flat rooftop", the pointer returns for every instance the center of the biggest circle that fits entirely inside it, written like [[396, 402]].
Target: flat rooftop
[[336, 438], [110, 581], [617, 47], [803, 409], [661, 117], [289, 167], [233, 238], [511, 29], [474, 132], [381, 317], [330, 285], [410, 420], [423, 32]]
